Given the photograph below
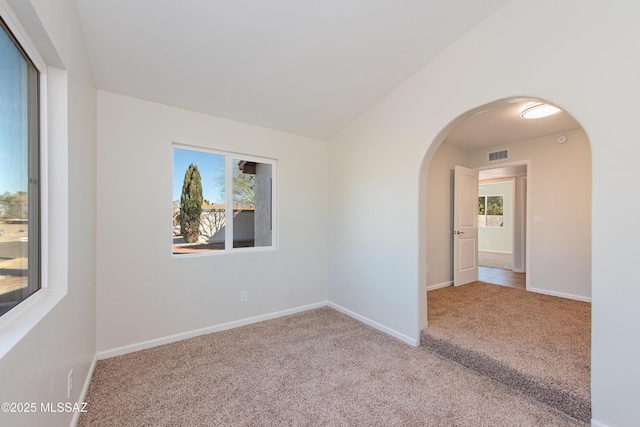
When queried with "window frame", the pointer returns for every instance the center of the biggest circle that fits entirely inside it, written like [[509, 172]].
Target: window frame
[[486, 198], [229, 157], [35, 121], [16, 323]]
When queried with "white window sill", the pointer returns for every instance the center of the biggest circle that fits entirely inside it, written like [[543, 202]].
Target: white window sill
[[20, 320]]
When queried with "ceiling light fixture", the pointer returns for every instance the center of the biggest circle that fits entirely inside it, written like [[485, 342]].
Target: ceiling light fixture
[[538, 110]]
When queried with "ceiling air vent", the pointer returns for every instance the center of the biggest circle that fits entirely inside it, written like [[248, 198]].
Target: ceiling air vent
[[494, 156]]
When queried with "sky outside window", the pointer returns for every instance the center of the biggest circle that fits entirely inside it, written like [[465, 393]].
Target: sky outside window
[[13, 118]]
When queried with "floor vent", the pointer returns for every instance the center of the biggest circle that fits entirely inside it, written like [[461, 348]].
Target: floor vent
[[494, 156]]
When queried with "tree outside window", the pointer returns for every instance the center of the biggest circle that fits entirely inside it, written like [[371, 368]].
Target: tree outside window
[[490, 211]]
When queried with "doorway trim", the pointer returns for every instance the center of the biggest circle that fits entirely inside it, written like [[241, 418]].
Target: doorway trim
[[526, 163]]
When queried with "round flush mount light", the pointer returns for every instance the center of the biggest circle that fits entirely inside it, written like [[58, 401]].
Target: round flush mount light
[[538, 110]]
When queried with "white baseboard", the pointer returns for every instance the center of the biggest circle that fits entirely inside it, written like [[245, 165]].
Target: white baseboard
[[439, 285], [595, 423], [243, 322], [560, 294], [85, 388], [495, 252], [197, 332], [402, 337]]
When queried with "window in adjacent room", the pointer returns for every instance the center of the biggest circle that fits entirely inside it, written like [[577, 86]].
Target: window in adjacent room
[[221, 201], [490, 211], [19, 174]]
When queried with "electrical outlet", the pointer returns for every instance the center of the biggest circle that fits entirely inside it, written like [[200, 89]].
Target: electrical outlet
[[69, 384], [244, 296]]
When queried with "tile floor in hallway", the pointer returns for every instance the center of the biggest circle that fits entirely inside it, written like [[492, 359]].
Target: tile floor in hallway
[[502, 277]]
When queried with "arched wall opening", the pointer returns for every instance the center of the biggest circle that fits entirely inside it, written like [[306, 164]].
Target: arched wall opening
[[558, 245], [511, 331], [579, 62]]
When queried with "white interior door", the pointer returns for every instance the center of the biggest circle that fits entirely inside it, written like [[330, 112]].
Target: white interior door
[[465, 223]]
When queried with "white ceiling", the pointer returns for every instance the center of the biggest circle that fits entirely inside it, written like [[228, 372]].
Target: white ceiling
[[302, 66], [500, 125]]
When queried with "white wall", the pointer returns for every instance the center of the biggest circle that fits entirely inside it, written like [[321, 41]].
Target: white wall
[[499, 239], [560, 194], [36, 368], [439, 196], [145, 294], [582, 56]]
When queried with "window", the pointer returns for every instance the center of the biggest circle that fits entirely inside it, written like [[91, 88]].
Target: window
[[221, 201], [19, 174], [490, 211]]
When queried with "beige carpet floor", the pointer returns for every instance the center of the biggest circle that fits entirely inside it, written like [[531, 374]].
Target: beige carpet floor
[[317, 368], [495, 260], [544, 340]]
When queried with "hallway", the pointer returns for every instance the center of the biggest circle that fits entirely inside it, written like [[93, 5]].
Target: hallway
[[498, 276]]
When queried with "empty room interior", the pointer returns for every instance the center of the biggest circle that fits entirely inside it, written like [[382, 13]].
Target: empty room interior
[[290, 213]]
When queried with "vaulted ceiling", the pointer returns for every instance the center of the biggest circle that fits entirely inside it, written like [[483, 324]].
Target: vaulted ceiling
[[301, 66]]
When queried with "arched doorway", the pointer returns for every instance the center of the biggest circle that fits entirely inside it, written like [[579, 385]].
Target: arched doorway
[[557, 242]]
